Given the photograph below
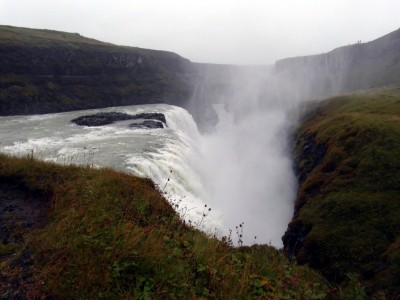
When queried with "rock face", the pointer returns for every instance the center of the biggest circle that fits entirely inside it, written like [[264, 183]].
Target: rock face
[[45, 71], [349, 68], [309, 155], [150, 120]]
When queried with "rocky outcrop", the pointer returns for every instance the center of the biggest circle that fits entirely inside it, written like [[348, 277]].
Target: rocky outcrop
[[151, 116], [148, 124], [151, 120], [100, 119]]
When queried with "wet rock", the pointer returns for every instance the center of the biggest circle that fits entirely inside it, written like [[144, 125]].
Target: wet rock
[[100, 119], [148, 124], [151, 116], [309, 154], [294, 237], [151, 120]]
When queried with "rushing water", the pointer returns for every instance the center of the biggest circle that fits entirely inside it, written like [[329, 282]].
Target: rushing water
[[160, 154], [241, 170]]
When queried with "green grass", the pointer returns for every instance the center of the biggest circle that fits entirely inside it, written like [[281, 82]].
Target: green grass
[[354, 215], [110, 235], [37, 37]]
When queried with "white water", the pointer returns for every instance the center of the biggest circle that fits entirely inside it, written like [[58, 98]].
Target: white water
[[242, 170], [160, 154], [248, 174]]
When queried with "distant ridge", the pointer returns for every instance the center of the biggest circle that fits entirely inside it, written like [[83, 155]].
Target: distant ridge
[[348, 68], [47, 71], [44, 71]]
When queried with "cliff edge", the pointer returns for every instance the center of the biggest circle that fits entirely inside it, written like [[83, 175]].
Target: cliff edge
[[345, 69], [347, 209], [45, 71]]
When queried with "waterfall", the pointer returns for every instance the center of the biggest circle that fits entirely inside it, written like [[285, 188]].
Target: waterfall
[[242, 170]]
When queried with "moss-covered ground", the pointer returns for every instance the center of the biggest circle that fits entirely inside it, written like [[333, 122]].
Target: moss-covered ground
[[109, 235], [350, 199]]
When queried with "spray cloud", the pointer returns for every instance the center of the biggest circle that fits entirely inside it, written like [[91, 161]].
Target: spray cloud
[[246, 160]]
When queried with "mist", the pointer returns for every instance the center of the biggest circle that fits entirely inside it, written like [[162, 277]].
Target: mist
[[247, 166], [248, 163], [235, 32]]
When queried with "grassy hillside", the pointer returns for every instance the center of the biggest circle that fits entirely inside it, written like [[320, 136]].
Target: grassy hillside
[[44, 71], [101, 234], [348, 206]]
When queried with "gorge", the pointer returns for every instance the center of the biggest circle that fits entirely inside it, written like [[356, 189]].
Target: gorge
[[230, 137]]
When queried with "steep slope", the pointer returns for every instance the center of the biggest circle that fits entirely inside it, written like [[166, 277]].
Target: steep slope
[[108, 235], [348, 207], [362, 65], [44, 71]]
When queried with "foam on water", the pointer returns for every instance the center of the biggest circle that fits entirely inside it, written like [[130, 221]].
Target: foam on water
[[160, 154]]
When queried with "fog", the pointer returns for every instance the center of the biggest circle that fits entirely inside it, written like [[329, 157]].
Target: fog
[[247, 166], [247, 158], [223, 31], [249, 174]]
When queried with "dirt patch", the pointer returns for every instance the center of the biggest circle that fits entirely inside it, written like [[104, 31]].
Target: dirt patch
[[21, 211]]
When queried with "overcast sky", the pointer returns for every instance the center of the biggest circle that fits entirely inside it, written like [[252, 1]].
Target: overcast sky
[[215, 31]]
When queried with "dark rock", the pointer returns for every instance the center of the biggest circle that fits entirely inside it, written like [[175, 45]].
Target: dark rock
[[100, 119], [309, 156], [149, 124], [294, 237], [151, 116], [152, 120]]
